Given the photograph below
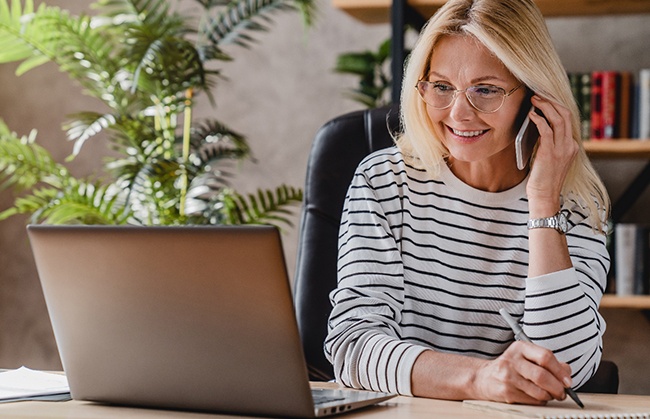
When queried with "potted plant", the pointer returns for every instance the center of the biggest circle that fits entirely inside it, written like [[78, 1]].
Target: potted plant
[[146, 63]]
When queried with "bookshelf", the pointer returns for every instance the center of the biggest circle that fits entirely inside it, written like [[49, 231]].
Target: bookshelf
[[398, 12], [638, 302], [378, 11], [614, 149]]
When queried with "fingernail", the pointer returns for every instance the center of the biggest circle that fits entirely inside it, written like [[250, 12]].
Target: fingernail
[[567, 382]]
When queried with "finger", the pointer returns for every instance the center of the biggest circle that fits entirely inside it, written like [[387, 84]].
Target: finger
[[556, 127], [509, 383], [545, 371], [557, 117]]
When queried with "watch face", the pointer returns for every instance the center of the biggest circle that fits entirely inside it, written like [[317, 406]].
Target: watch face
[[562, 222]]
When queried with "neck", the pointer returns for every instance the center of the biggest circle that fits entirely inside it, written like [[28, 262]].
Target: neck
[[487, 177]]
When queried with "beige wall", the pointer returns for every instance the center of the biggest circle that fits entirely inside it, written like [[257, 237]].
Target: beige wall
[[278, 94]]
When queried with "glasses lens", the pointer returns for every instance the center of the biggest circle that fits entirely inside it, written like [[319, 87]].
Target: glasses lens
[[435, 94], [486, 98]]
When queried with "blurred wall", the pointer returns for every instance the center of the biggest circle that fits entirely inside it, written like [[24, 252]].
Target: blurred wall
[[278, 94]]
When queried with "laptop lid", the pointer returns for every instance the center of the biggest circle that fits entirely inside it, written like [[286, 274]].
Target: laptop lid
[[197, 318]]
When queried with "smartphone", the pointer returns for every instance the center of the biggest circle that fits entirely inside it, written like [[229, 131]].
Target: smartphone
[[525, 140]]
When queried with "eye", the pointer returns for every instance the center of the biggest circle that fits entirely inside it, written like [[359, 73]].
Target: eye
[[487, 90], [442, 88]]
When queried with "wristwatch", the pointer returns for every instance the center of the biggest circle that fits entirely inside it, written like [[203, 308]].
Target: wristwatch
[[557, 222]]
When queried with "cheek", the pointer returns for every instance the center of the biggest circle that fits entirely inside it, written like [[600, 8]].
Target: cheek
[[435, 120]]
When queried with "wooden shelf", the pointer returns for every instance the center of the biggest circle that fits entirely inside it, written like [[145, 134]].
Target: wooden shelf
[[638, 302], [612, 149], [378, 11]]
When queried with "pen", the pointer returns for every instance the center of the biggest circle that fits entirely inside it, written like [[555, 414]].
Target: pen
[[520, 335]]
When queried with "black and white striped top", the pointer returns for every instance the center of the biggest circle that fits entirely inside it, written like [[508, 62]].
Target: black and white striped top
[[428, 264]]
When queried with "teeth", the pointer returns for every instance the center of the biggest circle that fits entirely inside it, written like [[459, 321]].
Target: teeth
[[467, 133]]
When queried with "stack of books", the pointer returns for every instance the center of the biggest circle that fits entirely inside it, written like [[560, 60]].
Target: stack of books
[[632, 259], [613, 104]]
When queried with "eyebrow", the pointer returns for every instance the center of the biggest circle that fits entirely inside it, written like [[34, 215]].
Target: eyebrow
[[474, 81]]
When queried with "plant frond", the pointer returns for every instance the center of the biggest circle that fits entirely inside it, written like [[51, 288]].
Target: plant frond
[[266, 207], [211, 141], [18, 33], [85, 125], [118, 12], [23, 163], [369, 67], [77, 203], [241, 17]]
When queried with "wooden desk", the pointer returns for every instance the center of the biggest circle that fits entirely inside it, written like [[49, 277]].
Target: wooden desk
[[398, 408]]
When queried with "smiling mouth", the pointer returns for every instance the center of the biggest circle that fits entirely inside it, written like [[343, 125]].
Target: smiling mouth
[[467, 134]]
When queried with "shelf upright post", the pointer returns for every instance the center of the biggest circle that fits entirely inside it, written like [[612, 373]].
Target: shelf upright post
[[401, 14], [397, 20]]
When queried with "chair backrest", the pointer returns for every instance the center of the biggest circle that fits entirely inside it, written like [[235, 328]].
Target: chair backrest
[[338, 148], [604, 381]]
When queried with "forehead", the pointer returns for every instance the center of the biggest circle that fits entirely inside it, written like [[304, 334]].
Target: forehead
[[463, 59]]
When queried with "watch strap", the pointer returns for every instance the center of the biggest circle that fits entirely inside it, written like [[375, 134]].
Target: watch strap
[[557, 222]]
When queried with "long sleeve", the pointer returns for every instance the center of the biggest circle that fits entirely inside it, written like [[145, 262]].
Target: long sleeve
[[427, 264], [561, 310], [364, 342]]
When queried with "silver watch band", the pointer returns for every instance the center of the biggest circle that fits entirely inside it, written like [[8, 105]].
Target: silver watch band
[[557, 222]]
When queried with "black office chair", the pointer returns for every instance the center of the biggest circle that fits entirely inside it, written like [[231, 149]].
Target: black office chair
[[338, 148]]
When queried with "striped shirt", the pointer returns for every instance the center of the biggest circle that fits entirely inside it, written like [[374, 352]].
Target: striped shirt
[[427, 264]]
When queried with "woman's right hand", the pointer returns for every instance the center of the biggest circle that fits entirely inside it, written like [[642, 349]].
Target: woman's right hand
[[524, 373]]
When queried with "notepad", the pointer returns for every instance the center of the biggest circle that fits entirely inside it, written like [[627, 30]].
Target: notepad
[[565, 409], [26, 384]]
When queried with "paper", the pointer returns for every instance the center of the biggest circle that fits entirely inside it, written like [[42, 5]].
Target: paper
[[566, 409], [26, 384]]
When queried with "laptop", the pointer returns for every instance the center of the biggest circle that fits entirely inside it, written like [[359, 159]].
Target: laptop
[[192, 318]]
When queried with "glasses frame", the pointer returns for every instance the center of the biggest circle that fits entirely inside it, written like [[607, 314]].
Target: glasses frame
[[505, 94]]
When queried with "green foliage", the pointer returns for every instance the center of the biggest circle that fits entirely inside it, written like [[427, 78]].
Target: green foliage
[[372, 70], [146, 63]]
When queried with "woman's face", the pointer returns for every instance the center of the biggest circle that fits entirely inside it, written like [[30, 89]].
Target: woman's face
[[470, 135]]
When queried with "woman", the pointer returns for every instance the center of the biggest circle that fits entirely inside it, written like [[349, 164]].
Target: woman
[[443, 230]]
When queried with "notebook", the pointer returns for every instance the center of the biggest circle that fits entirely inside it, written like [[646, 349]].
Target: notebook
[[566, 409], [191, 318]]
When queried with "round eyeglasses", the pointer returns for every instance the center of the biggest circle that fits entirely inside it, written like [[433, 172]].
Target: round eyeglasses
[[484, 98]]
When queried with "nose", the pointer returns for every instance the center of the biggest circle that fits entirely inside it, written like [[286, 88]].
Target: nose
[[461, 109]]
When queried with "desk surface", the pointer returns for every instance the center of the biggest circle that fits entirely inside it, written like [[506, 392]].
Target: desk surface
[[397, 408]]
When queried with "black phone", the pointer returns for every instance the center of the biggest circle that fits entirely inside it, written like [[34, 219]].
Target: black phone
[[526, 139]]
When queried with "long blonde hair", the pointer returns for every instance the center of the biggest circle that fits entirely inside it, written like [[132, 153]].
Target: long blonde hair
[[515, 32]]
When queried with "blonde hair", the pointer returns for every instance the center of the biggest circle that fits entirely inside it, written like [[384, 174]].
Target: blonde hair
[[515, 32]]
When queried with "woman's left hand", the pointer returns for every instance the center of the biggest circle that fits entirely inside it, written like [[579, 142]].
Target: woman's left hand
[[555, 153]]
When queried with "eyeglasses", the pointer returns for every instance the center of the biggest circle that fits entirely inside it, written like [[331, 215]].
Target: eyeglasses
[[484, 98]]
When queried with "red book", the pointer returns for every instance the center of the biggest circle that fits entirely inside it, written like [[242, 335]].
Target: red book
[[609, 101], [596, 105], [625, 105]]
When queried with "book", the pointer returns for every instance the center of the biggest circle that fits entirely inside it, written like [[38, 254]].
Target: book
[[584, 103], [581, 89], [632, 267], [609, 99], [625, 104], [561, 409], [596, 105], [644, 104]]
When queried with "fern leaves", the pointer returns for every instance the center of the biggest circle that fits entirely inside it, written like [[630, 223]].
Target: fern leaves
[[23, 163], [265, 207], [54, 196], [141, 59]]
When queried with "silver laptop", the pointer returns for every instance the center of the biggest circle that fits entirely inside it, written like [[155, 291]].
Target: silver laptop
[[190, 318]]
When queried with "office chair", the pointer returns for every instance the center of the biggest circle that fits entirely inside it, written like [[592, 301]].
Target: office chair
[[338, 148]]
